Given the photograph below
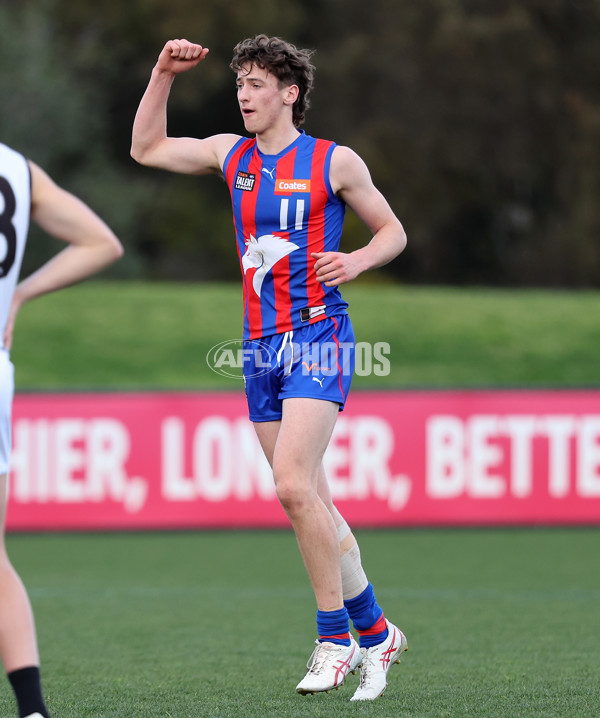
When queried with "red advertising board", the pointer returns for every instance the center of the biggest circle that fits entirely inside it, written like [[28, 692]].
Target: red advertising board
[[191, 460]]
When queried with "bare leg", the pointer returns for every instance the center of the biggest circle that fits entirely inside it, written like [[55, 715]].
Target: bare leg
[[354, 579], [325, 494], [18, 645], [295, 448]]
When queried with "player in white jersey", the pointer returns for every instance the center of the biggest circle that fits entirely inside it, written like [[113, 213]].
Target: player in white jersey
[[27, 191]]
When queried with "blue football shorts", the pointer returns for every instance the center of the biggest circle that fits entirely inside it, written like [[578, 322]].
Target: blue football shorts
[[315, 361]]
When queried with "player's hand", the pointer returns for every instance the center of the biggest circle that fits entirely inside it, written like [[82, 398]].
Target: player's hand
[[180, 56], [335, 268]]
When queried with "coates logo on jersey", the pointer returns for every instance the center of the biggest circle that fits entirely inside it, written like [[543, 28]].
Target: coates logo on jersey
[[245, 181], [287, 186]]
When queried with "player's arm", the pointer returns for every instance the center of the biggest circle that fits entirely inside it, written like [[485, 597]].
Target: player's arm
[[351, 181], [150, 144], [92, 245]]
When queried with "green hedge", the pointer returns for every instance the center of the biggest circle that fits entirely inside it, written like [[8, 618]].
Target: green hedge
[[128, 335]]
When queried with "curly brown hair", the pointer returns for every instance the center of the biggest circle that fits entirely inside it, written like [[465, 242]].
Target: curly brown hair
[[290, 66]]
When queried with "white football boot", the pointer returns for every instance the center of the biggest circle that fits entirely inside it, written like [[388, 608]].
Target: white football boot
[[34, 715], [328, 666], [376, 662]]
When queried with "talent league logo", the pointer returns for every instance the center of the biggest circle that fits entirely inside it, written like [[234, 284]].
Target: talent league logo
[[245, 181], [263, 254]]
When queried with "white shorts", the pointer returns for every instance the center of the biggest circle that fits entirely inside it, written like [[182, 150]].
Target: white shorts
[[7, 386]]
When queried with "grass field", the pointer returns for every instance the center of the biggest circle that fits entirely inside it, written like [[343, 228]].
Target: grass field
[[156, 336], [500, 623]]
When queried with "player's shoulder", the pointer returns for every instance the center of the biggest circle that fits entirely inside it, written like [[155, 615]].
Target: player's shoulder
[[345, 156], [8, 151], [228, 143], [226, 140], [223, 144], [347, 168], [14, 165]]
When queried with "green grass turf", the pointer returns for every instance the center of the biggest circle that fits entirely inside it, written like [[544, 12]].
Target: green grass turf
[[128, 335], [499, 622]]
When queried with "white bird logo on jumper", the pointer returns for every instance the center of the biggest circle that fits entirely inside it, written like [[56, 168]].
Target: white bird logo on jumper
[[263, 254]]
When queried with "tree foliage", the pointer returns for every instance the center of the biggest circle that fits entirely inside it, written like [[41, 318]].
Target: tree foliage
[[479, 120]]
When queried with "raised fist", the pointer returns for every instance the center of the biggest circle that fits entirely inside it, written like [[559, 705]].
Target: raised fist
[[180, 55]]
